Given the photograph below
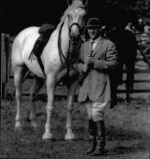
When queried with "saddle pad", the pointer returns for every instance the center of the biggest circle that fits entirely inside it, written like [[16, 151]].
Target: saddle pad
[[45, 31]]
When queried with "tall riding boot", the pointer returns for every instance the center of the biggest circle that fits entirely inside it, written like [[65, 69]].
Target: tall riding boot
[[99, 151], [92, 137]]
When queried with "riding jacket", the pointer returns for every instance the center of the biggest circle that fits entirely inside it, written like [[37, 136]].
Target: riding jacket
[[96, 85]]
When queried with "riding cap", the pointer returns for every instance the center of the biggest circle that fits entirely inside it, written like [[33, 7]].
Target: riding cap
[[93, 22]]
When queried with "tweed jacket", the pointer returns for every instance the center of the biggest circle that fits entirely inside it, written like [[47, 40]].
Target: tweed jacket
[[96, 84]]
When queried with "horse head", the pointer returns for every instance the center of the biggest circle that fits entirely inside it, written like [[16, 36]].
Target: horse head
[[76, 19]]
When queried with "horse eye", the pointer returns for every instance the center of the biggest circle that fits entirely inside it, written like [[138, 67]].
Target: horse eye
[[83, 20], [83, 16]]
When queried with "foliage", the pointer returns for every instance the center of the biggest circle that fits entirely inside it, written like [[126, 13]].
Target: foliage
[[140, 7], [127, 9]]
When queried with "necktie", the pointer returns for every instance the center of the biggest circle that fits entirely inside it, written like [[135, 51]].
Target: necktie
[[91, 47]]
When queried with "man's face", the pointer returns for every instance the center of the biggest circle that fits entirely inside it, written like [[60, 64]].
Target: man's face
[[93, 32]]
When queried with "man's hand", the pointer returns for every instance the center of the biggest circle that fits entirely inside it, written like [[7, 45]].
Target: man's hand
[[85, 68], [89, 61]]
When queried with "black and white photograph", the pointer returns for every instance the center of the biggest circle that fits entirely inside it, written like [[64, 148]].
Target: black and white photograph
[[75, 79]]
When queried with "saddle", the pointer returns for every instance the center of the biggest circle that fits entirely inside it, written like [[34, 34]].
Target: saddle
[[45, 32]]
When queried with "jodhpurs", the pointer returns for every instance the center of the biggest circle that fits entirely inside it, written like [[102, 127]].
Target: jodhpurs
[[95, 110]]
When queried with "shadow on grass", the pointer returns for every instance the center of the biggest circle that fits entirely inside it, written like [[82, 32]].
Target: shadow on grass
[[126, 141], [132, 148], [120, 134]]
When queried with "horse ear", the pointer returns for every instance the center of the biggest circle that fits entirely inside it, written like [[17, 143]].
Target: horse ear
[[85, 2], [69, 2]]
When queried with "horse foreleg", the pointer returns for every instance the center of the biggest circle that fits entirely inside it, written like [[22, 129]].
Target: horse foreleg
[[71, 92], [51, 84], [129, 81], [37, 85], [18, 95]]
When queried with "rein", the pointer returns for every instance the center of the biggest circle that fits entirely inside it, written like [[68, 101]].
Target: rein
[[62, 57], [59, 45]]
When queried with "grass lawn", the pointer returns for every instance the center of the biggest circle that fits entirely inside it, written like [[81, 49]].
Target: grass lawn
[[127, 132]]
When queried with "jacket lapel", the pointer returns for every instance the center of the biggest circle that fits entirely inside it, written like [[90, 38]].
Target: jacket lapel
[[98, 45], [87, 52]]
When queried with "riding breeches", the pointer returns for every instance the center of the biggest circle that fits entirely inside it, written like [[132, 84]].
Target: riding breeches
[[95, 110]]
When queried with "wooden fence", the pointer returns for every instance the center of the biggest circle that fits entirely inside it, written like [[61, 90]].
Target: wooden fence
[[5, 62], [6, 44]]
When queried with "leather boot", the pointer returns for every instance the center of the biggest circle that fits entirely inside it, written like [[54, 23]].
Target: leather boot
[[100, 148], [92, 137]]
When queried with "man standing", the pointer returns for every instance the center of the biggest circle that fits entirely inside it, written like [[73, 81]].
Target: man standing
[[98, 59]]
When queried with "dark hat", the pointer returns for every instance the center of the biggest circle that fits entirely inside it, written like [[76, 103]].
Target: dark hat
[[93, 22]]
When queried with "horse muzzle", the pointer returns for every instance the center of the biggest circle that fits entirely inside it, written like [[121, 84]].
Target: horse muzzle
[[74, 33], [74, 40]]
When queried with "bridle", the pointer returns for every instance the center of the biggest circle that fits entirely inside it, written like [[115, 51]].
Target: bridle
[[66, 61]]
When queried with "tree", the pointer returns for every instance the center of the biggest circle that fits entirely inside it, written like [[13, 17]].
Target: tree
[[118, 10]]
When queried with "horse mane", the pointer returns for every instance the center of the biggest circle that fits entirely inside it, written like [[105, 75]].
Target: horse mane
[[75, 4]]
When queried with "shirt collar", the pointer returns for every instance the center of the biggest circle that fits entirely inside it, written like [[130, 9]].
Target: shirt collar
[[96, 40]]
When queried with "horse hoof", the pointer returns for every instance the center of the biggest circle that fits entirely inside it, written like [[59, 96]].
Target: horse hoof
[[18, 129], [47, 136], [127, 102], [18, 126], [34, 125], [69, 136]]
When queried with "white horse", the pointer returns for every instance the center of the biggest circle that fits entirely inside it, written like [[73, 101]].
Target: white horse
[[58, 55]]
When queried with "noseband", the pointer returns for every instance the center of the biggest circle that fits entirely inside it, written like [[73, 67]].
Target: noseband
[[76, 25]]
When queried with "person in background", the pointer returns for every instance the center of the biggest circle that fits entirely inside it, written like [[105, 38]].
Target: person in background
[[130, 27], [147, 28], [140, 26], [98, 57]]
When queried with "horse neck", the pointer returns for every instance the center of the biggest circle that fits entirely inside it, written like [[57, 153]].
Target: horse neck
[[65, 37]]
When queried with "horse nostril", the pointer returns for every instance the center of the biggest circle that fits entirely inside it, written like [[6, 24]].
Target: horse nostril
[[70, 37], [78, 37], [74, 39]]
